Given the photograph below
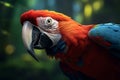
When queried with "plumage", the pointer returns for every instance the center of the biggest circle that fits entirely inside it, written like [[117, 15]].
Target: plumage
[[87, 55]]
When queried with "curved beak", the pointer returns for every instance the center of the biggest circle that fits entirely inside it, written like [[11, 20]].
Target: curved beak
[[34, 38], [27, 38]]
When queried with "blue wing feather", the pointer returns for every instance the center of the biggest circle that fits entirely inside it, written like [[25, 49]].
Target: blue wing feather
[[109, 33]]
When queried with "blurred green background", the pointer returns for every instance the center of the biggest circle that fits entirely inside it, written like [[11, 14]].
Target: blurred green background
[[15, 62]]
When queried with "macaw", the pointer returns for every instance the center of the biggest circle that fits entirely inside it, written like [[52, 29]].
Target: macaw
[[85, 52]]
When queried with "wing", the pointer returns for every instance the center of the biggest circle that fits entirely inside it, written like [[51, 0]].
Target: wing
[[108, 36]]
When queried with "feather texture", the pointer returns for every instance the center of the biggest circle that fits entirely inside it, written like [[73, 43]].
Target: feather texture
[[97, 63]]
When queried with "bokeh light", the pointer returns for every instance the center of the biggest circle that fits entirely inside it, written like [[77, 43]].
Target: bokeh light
[[6, 4], [4, 32], [97, 5], [9, 49], [88, 10]]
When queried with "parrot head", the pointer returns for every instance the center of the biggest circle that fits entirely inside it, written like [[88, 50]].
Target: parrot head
[[41, 29]]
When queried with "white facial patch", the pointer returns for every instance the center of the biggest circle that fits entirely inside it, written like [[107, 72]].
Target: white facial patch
[[49, 26]]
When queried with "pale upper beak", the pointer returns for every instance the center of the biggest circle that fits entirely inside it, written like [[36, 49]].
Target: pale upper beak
[[34, 38]]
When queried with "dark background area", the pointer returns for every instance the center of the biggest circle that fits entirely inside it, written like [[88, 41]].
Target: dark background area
[[15, 62]]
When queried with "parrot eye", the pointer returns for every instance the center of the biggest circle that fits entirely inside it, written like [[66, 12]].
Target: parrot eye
[[49, 21], [47, 24]]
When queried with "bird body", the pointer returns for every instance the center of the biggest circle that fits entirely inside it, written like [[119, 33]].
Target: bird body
[[85, 51]]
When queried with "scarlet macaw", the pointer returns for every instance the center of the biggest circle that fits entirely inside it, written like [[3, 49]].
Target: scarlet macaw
[[86, 52]]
